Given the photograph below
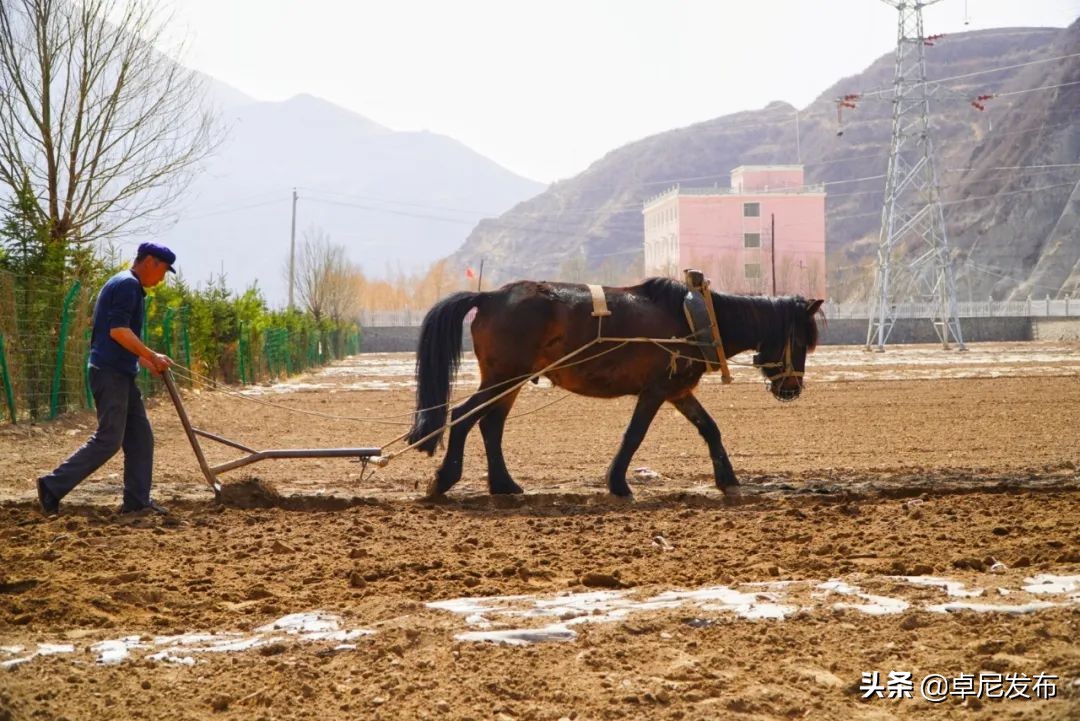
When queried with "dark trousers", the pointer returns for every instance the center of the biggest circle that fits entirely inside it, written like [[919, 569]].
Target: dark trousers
[[122, 424]]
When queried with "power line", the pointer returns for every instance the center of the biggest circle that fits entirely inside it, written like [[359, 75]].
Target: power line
[[1041, 168], [391, 211], [986, 270], [1031, 90], [1004, 67], [553, 226], [375, 199], [962, 76], [620, 207], [226, 211]]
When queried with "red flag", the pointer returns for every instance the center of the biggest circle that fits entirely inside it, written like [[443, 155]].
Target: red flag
[[469, 273]]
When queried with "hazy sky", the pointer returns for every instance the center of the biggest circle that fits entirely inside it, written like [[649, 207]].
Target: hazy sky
[[545, 88]]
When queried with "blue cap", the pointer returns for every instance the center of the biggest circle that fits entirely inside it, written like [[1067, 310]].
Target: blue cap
[[158, 251]]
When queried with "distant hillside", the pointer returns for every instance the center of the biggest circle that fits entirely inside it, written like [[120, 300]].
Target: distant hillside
[[1010, 239], [1027, 242], [394, 199]]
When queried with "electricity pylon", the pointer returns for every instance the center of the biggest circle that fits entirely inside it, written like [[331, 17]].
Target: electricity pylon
[[911, 218]]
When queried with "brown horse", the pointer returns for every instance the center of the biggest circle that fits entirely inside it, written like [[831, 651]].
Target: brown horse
[[525, 327]]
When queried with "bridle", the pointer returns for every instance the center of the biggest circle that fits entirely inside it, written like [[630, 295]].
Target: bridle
[[787, 367]]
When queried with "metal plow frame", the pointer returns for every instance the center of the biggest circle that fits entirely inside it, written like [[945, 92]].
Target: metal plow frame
[[364, 454]]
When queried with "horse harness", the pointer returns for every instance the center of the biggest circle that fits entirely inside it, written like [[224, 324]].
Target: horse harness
[[700, 314], [705, 330]]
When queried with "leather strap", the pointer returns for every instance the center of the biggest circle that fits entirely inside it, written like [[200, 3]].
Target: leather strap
[[599, 301]]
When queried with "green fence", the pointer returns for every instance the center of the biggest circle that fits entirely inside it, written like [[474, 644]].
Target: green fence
[[45, 329], [44, 340]]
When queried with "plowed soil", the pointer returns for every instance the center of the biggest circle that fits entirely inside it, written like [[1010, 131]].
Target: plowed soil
[[916, 463]]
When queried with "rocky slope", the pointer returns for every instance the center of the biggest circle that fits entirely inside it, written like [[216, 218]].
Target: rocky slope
[[1014, 229]]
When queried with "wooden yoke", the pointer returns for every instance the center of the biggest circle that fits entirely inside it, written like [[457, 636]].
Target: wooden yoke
[[701, 315]]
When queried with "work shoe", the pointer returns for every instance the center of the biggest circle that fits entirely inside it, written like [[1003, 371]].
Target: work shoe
[[148, 510], [48, 503]]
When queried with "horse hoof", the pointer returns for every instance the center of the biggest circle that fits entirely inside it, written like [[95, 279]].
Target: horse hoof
[[511, 490], [503, 485], [433, 490], [732, 494]]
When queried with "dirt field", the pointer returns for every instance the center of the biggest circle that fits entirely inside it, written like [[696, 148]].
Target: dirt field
[[915, 511]]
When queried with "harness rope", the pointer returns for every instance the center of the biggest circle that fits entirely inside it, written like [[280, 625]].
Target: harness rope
[[787, 371], [519, 381]]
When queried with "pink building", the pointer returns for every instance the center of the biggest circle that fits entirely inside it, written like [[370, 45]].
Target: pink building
[[727, 232]]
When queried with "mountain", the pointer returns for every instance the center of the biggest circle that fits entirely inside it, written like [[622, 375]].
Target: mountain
[[224, 97], [1041, 207], [1014, 227], [395, 200]]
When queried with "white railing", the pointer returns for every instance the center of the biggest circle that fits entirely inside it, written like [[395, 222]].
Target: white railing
[[1031, 307]]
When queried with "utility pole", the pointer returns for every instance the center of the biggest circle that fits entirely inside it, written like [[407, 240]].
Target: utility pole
[[292, 252], [480, 278], [772, 235], [911, 217], [798, 146]]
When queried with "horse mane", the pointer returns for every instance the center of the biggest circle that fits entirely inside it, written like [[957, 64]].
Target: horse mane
[[745, 310], [665, 292]]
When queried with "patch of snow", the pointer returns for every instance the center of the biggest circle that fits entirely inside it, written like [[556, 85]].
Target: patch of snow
[[955, 589], [1050, 583]]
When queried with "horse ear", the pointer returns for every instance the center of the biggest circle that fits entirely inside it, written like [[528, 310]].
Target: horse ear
[[812, 306]]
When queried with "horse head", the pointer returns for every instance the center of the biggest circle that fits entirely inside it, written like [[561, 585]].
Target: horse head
[[782, 357]]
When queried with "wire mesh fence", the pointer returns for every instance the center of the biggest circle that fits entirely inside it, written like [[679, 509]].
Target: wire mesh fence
[[45, 328], [45, 331]]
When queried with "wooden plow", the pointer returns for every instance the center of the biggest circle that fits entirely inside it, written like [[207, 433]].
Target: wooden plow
[[364, 455]]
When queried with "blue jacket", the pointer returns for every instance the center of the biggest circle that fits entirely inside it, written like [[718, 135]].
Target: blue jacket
[[119, 305]]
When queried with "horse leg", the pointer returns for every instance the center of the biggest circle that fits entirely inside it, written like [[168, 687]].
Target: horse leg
[[491, 427], [449, 472], [696, 414], [644, 412]]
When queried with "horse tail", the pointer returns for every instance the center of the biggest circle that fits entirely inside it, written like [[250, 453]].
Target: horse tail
[[437, 358]]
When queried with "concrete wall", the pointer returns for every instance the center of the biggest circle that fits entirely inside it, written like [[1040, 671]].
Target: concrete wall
[[1056, 328], [842, 331], [395, 339], [852, 331]]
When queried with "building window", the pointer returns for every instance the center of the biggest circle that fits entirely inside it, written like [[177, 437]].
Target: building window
[[751, 210], [753, 270], [751, 240]]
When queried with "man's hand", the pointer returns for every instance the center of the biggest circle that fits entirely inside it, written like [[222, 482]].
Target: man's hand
[[148, 359], [156, 363]]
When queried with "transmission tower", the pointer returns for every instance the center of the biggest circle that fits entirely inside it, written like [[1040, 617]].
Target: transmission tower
[[911, 218]]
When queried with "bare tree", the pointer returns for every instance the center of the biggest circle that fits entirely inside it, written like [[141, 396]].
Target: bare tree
[[343, 287], [106, 127], [315, 258], [575, 268], [430, 286], [327, 283]]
